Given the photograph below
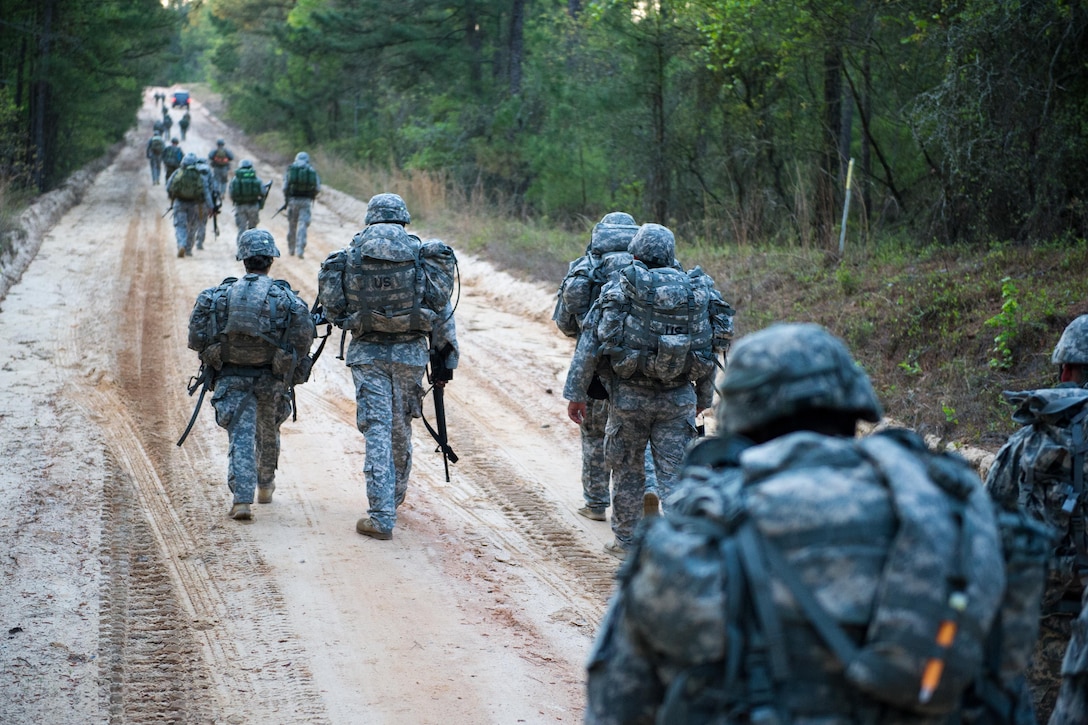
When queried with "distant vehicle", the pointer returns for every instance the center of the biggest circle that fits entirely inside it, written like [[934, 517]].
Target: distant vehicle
[[180, 99]]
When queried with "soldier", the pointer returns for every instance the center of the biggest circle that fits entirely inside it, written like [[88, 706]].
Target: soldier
[[220, 158], [155, 148], [1072, 705], [803, 576], [208, 208], [659, 331], [171, 158], [396, 326], [256, 334], [183, 124], [248, 192], [606, 255], [300, 185], [167, 122], [1042, 467], [189, 192]]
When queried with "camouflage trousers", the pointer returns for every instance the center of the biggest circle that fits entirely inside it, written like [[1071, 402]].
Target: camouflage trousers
[[1044, 670], [156, 168], [596, 476], [252, 410], [387, 395], [188, 219], [299, 209], [246, 216], [637, 417], [202, 228], [220, 178], [1072, 705]]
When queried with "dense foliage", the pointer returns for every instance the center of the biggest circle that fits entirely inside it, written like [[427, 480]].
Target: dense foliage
[[72, 74], [736, 117]]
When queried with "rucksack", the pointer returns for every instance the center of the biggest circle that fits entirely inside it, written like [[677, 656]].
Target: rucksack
[[387, 282], [157, 145], [754, 573], [1049, 478], [301, 180], [245, 187], [220, 157], [186, 184], [173, 155], [244, 323], [658, 324], [605, 256]]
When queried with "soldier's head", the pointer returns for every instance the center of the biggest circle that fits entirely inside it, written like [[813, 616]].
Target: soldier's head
[[387, 208], [1071, 352], [653, 245], [257, 249], [245, 164], [189, 159], [791, 377], [613, 233], [174, 141], [220, 142], [302, 158]]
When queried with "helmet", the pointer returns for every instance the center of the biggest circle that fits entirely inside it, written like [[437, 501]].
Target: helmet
[[303, 157], [175, 140], [387, 208], [256, 243], [1072, 348], [219, 142], [619, 217], [189, 159], [788, 368], [613, 233], [245, 164], [157, 133], [654, 245]]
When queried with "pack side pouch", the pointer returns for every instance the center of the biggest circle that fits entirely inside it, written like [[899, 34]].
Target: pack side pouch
[[672, 360], [330, 287]]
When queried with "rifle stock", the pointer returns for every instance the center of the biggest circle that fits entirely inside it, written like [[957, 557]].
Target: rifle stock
[[204, 379], [279, 210]]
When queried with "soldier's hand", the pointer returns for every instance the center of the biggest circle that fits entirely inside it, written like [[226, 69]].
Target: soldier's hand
[[576, 412]]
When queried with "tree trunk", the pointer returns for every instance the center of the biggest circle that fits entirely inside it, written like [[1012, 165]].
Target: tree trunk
[[516, 45]]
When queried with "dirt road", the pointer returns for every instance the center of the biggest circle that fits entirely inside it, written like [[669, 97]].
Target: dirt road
[[128, 596]]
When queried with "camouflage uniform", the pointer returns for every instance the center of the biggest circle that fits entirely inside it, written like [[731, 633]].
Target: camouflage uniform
[[1072, 705], [188, 213], [207, 207], [641, 411], [251, 402], [171, 158], [387, 369], [183, 124], [1044, 498], [219, 160], [167, 122], [247, 215], [155, 157], [299, 209], [793, 577]]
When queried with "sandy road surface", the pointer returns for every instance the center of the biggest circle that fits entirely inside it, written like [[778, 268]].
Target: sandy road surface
[[127, 595]]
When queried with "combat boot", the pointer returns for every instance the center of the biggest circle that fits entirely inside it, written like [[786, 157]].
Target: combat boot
[[240, 512], [616, 549], [264, 494], [367, 527], [593, 514]]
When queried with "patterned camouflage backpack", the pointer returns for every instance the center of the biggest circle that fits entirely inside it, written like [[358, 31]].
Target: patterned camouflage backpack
[[172, 155], [606, 256], [156, 145], [301, 180], [244, 323], [662, 324], [810, 565], [186, 184], [245, 187], [387, 282], [1049, 479]]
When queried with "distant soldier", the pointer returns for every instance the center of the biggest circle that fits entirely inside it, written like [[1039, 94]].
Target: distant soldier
[[1043, 468], [659, 332], [167, 122], [301, 185], [255, 332], [171, 157], [189, 192], [248, 192], [183, 124], [157, 127], [210, 208], [220, 159], [155, 148], [803, 576]]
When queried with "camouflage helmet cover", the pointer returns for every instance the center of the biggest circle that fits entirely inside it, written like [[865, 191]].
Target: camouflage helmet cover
[[246, 164], [175, 140], [788, 368], [256, 243], [189, 159], [302, 157], [387, 208], [1072, 348], [220, 142], [613, 233], [654, 245]]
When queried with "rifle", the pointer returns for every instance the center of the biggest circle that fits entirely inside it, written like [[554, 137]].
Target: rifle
[[204, 379], [437, 372], [280, 209], [217, 204], [168, 210], [264, 194]]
